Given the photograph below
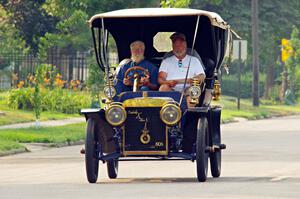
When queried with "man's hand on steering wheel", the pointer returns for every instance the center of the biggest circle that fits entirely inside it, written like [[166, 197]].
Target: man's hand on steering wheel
[[126, 81], [143, 74], [145, 80]]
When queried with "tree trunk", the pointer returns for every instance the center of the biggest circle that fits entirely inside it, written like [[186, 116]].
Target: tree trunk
[[269, 80], [284, 84], [255, 58]]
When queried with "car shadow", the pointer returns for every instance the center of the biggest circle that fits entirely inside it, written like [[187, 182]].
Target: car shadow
[[194, 180]]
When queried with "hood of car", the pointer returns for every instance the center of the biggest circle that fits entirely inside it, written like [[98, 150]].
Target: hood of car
[[147, 102]]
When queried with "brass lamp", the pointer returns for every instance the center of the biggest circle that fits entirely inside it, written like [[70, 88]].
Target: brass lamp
[[217, 90]]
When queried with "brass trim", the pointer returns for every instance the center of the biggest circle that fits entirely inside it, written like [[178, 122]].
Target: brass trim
[[178, 117], [126, 153], [145, 94], [112, 106], [165, 152], [145, 138], [113, 91], [144, 102], [217, 91]]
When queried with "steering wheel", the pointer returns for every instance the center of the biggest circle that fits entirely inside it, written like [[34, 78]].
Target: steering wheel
[[136, 71]]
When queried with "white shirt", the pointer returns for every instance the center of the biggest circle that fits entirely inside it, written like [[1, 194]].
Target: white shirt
[[170, 66]]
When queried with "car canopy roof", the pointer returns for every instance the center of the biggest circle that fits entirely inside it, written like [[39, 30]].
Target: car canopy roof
[[157, 13], [129, 25]]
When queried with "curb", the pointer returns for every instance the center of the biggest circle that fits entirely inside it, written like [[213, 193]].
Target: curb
[[45, 145], [13, 152]]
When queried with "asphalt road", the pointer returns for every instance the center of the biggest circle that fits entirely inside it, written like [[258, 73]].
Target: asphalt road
[[262, 160]]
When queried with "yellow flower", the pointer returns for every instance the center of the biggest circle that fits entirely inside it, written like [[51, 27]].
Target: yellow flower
[[30, 77], [58, 75]]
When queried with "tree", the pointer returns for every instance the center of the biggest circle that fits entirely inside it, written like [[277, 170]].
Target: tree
[[10, 40], [174, 3], [293, 62], [32, 21], [276, 20]]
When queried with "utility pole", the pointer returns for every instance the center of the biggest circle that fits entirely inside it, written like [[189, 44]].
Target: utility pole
[[255, 58]]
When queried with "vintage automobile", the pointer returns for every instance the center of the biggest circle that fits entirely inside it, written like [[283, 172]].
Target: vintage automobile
[[153, 125]]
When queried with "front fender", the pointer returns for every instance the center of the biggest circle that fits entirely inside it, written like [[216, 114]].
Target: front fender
[[190, 121], [104, 130]]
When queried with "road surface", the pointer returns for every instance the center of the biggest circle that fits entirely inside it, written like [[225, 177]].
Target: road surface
[[262, 161]]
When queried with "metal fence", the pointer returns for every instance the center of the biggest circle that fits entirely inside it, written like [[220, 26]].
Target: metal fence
[[15, 67]]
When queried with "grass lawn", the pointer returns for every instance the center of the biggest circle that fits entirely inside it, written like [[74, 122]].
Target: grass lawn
[[7, 145], [12, 116], [265, 110], [11, 138]]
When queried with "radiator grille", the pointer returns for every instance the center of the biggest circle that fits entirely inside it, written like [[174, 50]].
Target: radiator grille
[[139, 119]]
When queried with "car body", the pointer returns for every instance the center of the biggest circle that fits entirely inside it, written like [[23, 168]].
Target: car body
[[140, 125]]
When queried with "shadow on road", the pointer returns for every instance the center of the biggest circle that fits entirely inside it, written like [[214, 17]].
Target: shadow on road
[[209, 180]]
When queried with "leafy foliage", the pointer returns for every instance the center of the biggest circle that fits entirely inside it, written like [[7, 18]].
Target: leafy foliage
[[45, 92], [175, 3], [30, 20], [293, 62], [58, 99], [230, 83]]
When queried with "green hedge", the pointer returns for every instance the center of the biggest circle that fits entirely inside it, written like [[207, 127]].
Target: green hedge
[[58, 99], [230, 85]]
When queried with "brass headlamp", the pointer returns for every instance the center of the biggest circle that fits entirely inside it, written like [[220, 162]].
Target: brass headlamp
[[195, 91], [170, 113], [109, 91], [115, 114]]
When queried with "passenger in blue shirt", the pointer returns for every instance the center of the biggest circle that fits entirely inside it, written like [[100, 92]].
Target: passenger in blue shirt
[[137, 49]]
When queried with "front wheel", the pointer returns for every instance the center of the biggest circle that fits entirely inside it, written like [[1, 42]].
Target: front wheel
[[112, 168], [202, 142], [91, 160]]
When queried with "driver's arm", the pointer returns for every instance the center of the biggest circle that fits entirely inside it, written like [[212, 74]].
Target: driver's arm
[[152, 81], [150, 85]]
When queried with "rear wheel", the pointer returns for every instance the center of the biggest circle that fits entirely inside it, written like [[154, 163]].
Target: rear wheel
[[91, 160], [202, 142], [215, 164], [112, 168]]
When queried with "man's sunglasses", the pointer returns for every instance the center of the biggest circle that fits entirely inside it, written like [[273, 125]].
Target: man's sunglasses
[[180, 63]]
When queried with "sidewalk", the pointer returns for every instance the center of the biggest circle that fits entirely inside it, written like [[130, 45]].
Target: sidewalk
[[47, 123]]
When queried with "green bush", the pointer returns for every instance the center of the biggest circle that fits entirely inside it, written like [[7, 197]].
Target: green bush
[[230, 85], [58, 99]]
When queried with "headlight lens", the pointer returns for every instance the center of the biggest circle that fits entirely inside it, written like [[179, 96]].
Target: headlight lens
[[170, 114], [195, 92], [115, 114], [109, 92]]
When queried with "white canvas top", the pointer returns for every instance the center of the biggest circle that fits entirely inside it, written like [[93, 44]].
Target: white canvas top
[[161, 12]]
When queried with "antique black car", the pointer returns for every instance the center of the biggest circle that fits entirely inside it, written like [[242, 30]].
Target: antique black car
[[142, 125]]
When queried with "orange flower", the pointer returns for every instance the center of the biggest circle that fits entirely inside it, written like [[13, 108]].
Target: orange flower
[[20, 84], [46, 80], [58, 82]]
